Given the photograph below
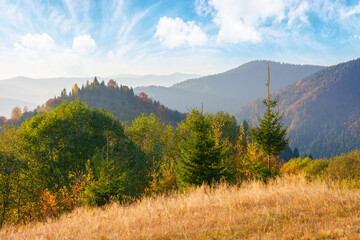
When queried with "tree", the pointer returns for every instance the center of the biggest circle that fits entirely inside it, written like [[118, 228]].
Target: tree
[[61, 141], [18, 187], [296, 153], [159, 142], [63, 93], [16, 113], [270, 134], [112, 84], [200, 155], [2, 120], [75, 89], [95, 82]]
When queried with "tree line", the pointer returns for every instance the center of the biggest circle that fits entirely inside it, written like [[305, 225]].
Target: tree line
[[74, 155], [78, 155]]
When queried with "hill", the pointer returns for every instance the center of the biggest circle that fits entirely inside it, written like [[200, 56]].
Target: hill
[[117, 100], [288, 208], [37, 91], [322, 111], [229, 90]]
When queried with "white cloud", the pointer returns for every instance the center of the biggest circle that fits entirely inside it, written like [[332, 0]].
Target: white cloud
[[240, 20], [298, 13], [38, 41], [202, 8], [56, 16], [350, 11], [38, 55], [84, 44], [175, 32]]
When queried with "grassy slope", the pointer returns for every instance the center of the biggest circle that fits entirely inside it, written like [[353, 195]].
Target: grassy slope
[[287, 208]]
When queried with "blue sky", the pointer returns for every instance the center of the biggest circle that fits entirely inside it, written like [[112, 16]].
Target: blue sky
[[86, 38]]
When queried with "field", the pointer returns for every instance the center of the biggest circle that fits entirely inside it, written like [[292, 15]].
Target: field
[[286, 208]]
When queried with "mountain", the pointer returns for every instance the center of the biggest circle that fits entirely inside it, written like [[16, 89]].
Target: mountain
[[117, 100], [229, 90], [37, 91], [322, 111], [152, 80]]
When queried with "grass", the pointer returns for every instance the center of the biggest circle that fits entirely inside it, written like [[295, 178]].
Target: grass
[[286, 208]]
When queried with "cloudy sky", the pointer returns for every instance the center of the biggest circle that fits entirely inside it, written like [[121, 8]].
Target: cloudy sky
[[86, 38]]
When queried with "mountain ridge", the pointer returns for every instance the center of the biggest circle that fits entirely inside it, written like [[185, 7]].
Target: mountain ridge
[[322, 111], [228, 90]]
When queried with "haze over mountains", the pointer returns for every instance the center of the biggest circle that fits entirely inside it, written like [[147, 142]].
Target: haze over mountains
[[322, 111], [229, 90], [24, 91]]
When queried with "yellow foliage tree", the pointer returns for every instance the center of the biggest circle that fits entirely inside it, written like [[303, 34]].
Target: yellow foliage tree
[[75, 89]]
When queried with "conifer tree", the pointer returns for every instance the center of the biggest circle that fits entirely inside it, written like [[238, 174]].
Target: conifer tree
[[270, 134], [200, 156], [296, 153]]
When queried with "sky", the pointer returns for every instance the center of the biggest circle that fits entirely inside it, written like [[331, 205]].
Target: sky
[[72, 38]]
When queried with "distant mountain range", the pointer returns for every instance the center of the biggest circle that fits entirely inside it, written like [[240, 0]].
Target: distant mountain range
[[322, 111], [230, 90], [152, 80], [31, 92]]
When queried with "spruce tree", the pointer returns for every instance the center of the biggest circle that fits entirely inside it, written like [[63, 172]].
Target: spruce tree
[[270, 134], [296, 153], [200, 156]]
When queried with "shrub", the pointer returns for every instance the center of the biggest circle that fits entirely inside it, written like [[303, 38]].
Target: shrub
[[316, 169], [345, 170], [295, 165]]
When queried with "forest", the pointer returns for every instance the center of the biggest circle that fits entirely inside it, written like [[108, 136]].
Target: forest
[[70, 155]]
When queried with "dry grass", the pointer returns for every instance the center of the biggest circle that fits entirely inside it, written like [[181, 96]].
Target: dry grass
[[288, 208]]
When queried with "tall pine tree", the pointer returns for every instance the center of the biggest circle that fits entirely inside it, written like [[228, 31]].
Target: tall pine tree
[[270, 134], [200, 156]]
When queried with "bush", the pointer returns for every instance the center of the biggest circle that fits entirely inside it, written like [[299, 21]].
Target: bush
[[295, 165], [316, 169], [345, 170]]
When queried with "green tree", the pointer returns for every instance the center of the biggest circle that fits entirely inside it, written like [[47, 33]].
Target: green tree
[[270, 134], [160, 144], [296, 153], [18, 187], [200, 159], [60, 142]]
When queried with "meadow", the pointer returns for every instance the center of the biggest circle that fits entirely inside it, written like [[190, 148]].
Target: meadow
[[289, 207]]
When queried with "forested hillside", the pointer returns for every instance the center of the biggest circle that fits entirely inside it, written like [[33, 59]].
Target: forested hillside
[[118, 100], [322, 111], [229, 90], [30, 92]]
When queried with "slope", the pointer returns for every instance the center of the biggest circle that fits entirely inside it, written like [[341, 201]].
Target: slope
[[117, 100], [229, 90], [288, 208], [37, 91], [322, 111]]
